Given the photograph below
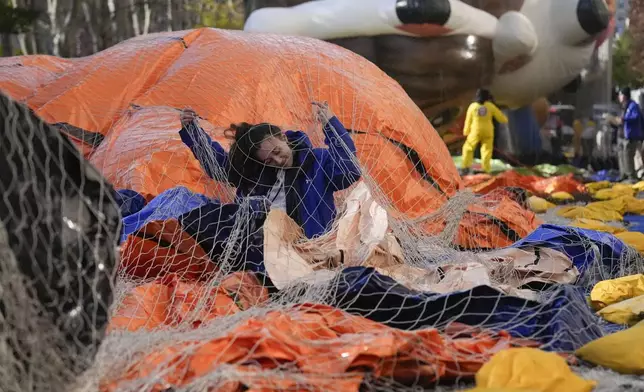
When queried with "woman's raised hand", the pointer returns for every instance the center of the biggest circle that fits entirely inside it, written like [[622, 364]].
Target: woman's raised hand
[[187, 117], [322, 111]]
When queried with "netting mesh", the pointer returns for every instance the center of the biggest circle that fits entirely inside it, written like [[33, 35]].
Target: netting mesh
[[377, 270], [58, 243]]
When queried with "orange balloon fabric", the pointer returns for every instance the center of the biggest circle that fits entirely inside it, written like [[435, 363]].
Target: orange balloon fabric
[[160, 248], [537, 185], [170, 301], [322, 347], [22, 77], [131, 94]]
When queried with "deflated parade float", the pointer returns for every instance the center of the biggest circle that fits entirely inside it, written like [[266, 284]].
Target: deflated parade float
[[127, 268]]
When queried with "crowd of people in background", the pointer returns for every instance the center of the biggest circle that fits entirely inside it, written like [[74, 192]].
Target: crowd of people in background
[[612, 141], [602, 142]]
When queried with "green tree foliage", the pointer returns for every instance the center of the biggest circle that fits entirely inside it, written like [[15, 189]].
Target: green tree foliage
[[624, 73], [223, 14], [15, 20]]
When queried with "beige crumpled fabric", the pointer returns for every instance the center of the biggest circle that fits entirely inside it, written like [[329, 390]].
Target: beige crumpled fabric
[[361, 237], [518, 267], [504, 269], [362, 232], [286, 258]]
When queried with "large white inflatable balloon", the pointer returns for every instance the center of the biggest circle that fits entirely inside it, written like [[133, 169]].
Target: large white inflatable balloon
[[538, 46], [566, 31], [328, 19]]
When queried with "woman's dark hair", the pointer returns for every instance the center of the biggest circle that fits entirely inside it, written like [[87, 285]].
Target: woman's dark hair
[[626, 91], [246, 172], [483, 95]]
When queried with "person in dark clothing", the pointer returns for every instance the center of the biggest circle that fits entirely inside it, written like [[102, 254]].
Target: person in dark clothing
[[633, 134], [557, 145], [283, 166], [588, 142], [556, 140]]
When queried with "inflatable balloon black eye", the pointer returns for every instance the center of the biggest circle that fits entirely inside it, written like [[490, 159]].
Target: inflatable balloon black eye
[[59, 232]]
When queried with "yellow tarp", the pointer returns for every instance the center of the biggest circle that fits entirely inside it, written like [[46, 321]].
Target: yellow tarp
[[623, 188], [608, 292], [629, 312], [592, 224], [499, 390], [619, 197], [633, 239], [605, 210], [622, 352], [577, 212], [634, 206], [530, 369], [539, 205], [621, 204], [562, 196], [614, 192], [593, 187], [639, 187]]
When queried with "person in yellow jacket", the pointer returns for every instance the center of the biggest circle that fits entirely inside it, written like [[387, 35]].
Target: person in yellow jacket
[[479, 129]]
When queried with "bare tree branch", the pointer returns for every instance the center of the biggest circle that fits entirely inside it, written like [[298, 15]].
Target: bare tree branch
[[82, 27]]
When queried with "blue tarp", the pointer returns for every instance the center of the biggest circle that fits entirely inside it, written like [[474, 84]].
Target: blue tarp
[[563, 321], [168, 205], [207, 220], [635, 222], [606, 175], [129, 201], [581, 245], [525, 131]]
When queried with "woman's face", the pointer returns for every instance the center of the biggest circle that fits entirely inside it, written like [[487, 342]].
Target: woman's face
[[275, 151]]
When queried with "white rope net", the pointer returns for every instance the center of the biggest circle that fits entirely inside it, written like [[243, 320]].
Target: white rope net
[[217, 290]]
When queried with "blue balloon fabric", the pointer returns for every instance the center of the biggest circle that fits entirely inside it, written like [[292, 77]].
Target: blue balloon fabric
[[606, 175], [586, 248], [168, 205], [129, 201], [562, 321], [635, 222], [526, 135], [229, 231], [210, 222]]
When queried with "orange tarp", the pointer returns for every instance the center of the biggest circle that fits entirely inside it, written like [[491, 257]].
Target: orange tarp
[[537, 185], [170, 301], [226, 77], [476, 179], [162, 247], [317, 346], [22, 77], [493, 219], [131, 94], [94, 93]]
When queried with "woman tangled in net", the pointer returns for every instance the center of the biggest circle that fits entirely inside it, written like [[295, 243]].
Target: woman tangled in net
[[281, 166]]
